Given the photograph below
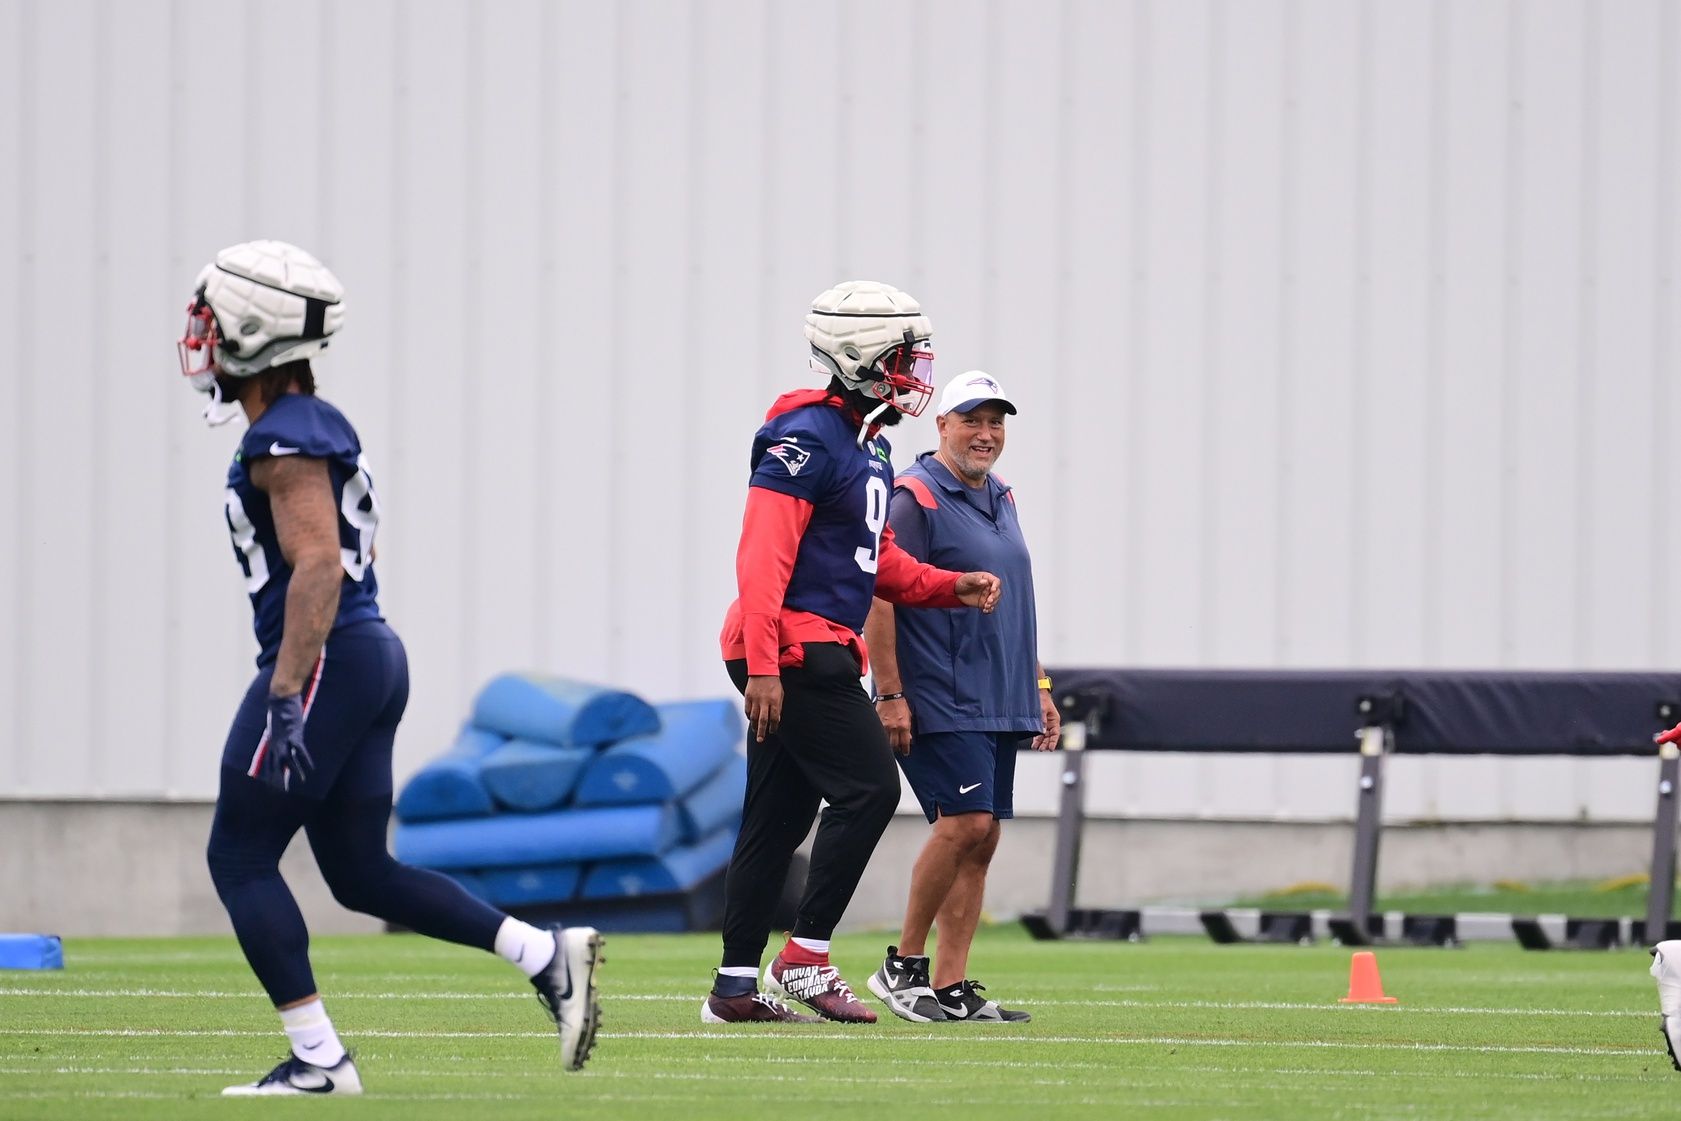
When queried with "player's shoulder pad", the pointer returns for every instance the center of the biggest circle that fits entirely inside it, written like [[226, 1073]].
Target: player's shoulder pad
[[798, 440], [303, 425], [814, 421]]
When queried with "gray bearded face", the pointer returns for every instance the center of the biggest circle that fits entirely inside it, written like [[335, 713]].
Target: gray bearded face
[[974, 440]]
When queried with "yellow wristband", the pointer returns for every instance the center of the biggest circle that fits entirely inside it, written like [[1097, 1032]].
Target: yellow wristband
[[1044, 683]]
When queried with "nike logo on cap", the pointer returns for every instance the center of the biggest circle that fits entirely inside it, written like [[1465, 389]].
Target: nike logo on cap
[[277, 448], [966, 789]]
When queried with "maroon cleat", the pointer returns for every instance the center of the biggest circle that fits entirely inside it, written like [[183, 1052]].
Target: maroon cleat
[[750, 1008], [818, 987]]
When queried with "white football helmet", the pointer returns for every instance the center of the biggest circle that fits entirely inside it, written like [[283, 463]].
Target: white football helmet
[[258, 304], [874, 338]]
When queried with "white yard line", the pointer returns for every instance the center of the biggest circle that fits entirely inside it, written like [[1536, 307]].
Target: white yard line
[[78, 1095], [1006, 1036], [386, 1074], [895, 1039], [920, 1078], [1330, 1005]]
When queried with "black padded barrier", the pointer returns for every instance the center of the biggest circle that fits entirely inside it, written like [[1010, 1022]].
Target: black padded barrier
[[1440, 712], [1374, 713]]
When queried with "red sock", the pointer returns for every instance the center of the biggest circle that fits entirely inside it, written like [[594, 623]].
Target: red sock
[[795, 954]]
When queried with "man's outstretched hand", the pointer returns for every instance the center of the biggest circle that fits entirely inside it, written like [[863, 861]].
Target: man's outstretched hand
[[980, 589]]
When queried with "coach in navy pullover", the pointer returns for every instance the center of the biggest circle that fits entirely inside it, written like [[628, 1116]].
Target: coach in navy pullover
[[965, 671], [957, 694]]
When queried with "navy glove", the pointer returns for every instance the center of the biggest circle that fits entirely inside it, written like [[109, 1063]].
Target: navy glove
[[287, 763]]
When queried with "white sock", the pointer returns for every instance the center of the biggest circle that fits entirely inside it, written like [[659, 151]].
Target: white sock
[[815, 945], [527, 947], [312, 1035], [738, 971]]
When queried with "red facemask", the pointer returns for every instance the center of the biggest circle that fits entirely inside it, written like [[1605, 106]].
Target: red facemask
[[197, 346], [907, 383]]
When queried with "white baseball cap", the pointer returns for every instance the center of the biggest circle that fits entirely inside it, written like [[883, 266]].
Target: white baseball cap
[[965, 391]]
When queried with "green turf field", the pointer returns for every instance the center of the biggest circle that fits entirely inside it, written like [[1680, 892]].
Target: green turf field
[[1172, 1028]]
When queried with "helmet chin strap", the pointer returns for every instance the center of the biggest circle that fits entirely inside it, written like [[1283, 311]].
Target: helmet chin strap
[[863, 429], [219, 411]]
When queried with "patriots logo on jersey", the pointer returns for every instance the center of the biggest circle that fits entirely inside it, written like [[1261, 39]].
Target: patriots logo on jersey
[[793, 456]]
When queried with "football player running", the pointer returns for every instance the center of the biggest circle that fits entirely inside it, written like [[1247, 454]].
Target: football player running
[[815, 547], [310, 746]]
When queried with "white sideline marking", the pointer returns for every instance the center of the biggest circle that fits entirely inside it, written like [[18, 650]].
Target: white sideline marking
[[698, 994], [895, 1039], [241, 1033], [916, 1079], [256, 994], [712, 1060], [1162, 1041], [77, 1095], [678, 1076], [922, 1077], [1331, 1006], [1550, 1076]]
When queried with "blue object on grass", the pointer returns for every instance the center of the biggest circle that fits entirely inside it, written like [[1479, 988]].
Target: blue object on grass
[[715, 803], [531, 776], [31, 951], [450, 786], [677, 870], [539, 883], [561, 711], [694, 740], [510, 840]]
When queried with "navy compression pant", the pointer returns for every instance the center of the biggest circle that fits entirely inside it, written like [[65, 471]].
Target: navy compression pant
[[353, 702]]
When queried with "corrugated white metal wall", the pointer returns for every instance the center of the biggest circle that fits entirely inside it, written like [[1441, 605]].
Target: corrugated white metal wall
[[1345, 333]]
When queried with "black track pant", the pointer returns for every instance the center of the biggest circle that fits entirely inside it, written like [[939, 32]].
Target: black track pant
[[830, 747]]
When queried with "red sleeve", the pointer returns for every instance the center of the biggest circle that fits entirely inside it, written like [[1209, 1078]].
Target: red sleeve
[[764, 561], [901, 578]]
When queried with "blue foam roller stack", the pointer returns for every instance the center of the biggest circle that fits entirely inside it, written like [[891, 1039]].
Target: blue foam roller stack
[[677, 870], [31, 951], [694, 740], [715, 803], [449, 786], [531, 776], [559, 710], [515, 839], [542, 883]]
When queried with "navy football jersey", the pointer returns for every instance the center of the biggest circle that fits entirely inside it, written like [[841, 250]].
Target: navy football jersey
[[301, 424], [812, 453]]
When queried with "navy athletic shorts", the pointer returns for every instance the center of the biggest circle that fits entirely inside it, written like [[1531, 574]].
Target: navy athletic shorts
[[963, 772]]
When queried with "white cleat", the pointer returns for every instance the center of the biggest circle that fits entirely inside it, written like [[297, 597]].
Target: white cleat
[[295, 1076], [568, 991], [1666, 970]]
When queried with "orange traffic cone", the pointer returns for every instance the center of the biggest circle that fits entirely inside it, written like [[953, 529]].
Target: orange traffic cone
[[1364, 985]]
